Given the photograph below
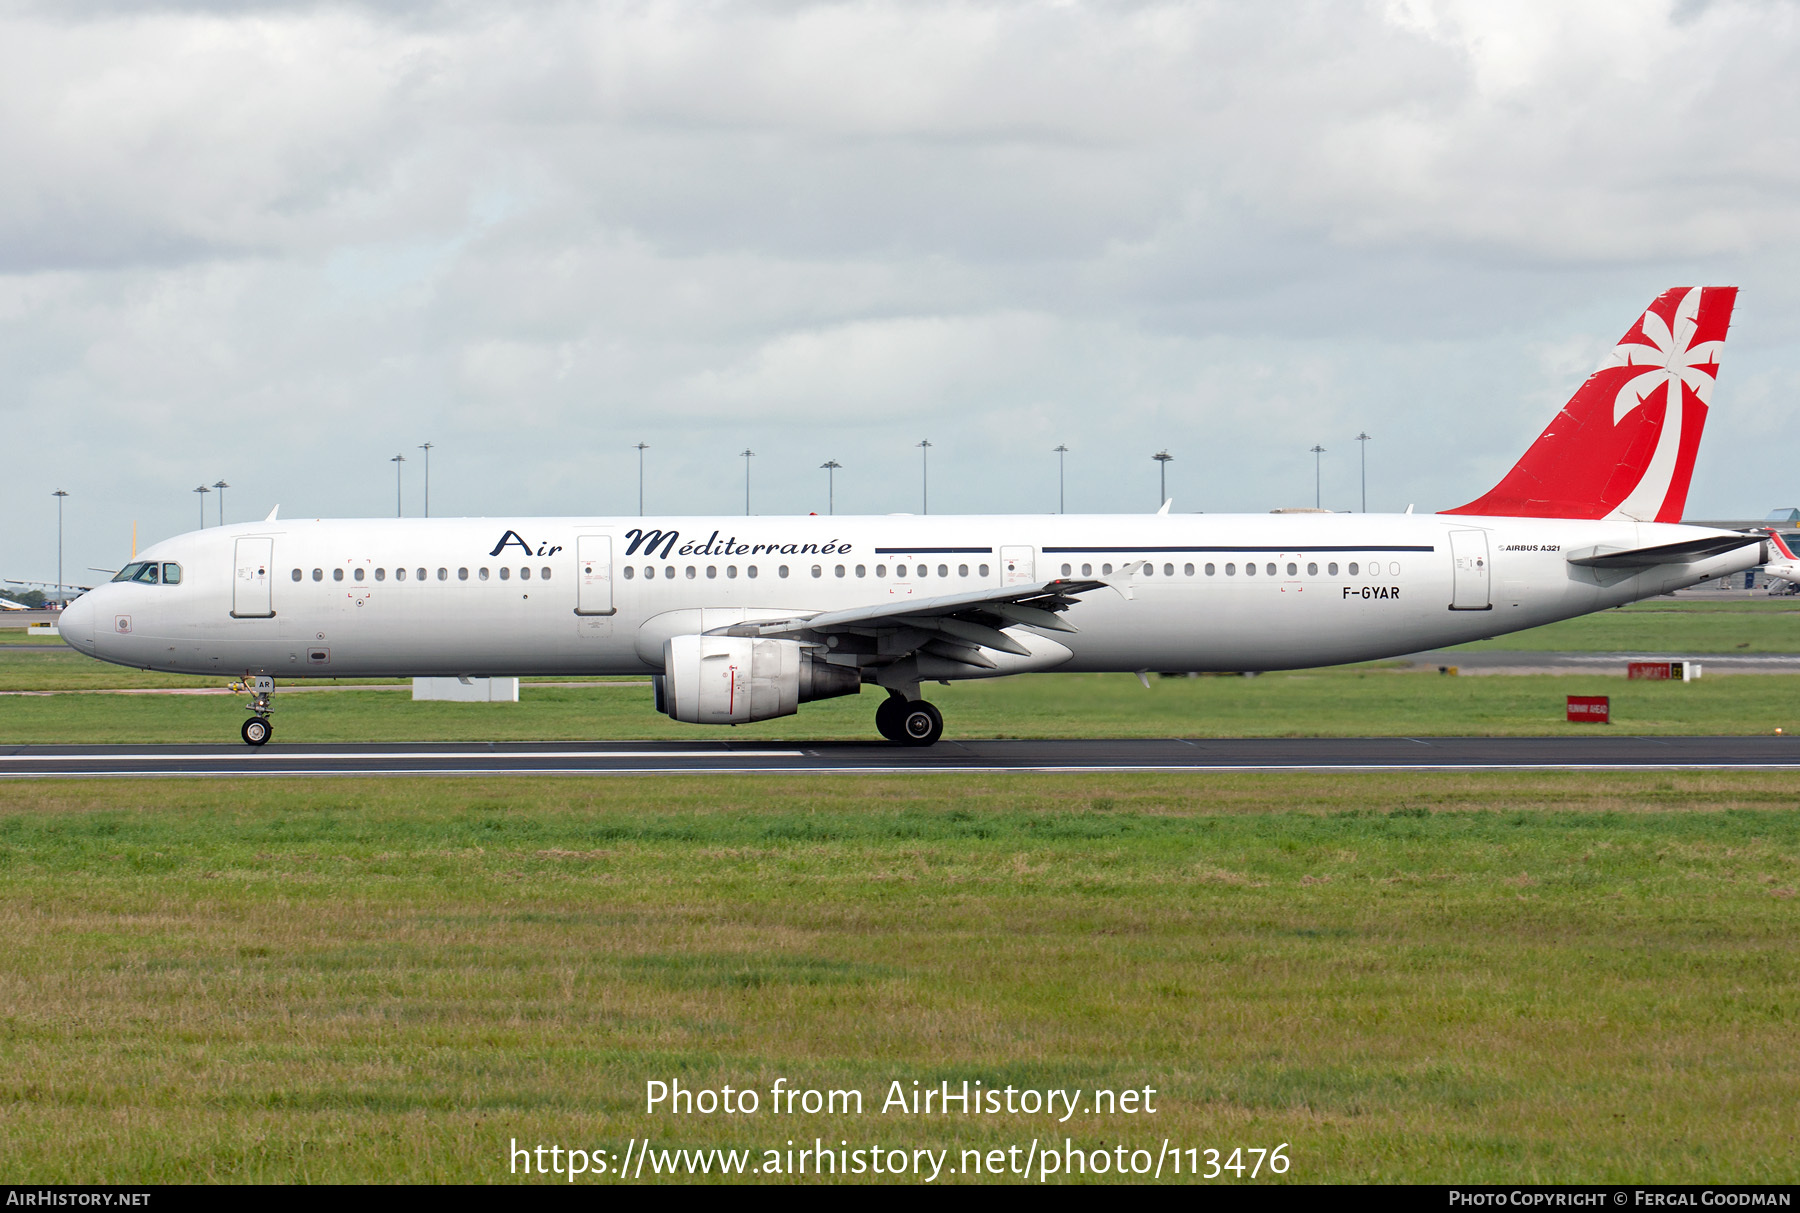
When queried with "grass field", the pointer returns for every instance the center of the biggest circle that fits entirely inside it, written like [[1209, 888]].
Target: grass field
[[1429, 978], [1355, 702], [1669, 625]]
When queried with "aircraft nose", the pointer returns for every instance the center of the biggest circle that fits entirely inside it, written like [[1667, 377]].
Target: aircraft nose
[[76, 623]]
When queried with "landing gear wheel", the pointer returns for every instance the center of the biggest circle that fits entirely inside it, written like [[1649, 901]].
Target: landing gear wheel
[[257, 731], [888, 718], [921, 724]]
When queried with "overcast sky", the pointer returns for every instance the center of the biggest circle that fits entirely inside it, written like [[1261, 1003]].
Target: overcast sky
[[278, 243]]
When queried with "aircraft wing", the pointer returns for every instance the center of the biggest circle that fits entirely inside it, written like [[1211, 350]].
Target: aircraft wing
[[953, 626]]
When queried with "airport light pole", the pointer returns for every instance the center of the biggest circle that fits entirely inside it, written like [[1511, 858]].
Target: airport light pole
[[1061, 450], [221, 486], [203, 491], [397, 460], [924, 477], [830, 467], [59, 494], [641, 448], [1362, 440], [1162, 458], [1317, 451], [748, 455], [426, 447]]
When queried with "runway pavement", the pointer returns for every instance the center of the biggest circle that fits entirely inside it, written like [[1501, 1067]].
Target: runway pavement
[[1592, 753]]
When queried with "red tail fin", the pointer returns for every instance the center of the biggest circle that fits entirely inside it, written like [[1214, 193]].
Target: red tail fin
[[1624, 445], [1780, 545]]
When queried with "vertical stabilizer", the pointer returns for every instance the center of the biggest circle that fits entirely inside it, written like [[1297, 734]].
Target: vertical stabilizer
[[1624, 445]]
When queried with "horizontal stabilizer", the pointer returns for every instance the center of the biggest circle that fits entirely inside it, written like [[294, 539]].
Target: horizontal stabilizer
[[1668, 553]]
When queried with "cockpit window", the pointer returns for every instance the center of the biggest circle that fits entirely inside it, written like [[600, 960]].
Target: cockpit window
[[149, 572]]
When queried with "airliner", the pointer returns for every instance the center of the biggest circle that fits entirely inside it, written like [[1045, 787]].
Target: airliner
[[739, 619]]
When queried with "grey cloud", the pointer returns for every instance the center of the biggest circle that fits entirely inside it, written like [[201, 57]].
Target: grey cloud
[[281, 242]]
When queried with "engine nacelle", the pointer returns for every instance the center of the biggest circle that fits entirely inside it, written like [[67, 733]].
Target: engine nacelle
[[737, 679]]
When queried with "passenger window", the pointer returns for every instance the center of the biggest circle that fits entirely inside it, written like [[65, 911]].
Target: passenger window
[[381, 575], [1270, 569], [505, 573], [462, 574], [817, 571], [443, 574], [962, 570], [1374, 568], [421, 574], [750, 571], [481, 574], [1106, 569], [1087, 570], [525, 573], [730, 571], [1187, 570], [318, 574], [862, 570], [900, 571], [630, 572], [337, 574], [881, 570], [1149, 569], [1231, 570], [782, 571], [1168, 570], [1292, 568], [712, 572], [649, 572], [1209, 569], [669, 571], [1249, 569], [943, 570], [984, 570], [1353, 568], [1332, 568], [358, 574], [296, 574], [1393, 569], [840, 570], [1067, 570], [692, 572], [1312, 570]]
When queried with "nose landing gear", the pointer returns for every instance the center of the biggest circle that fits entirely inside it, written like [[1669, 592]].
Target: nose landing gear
[[910, 722], [258, 729]]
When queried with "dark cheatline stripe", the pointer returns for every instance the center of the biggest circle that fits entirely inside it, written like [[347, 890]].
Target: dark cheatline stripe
[[1291, 549], [934, 551]]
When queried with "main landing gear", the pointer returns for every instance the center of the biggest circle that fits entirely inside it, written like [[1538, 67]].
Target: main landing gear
[[908, 721], [258, 729]]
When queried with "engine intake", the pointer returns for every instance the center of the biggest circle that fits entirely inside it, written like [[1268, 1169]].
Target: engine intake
[[737, 679]]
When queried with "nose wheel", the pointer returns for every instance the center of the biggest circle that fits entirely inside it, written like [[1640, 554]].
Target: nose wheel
[[910, 722], [258, 729]]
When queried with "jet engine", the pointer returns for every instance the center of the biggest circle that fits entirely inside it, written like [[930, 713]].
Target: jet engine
[[737, 679]]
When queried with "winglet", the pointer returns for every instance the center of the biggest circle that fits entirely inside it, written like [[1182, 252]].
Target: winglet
[[273, 512]]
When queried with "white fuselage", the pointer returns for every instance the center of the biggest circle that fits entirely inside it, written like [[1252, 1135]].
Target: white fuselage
[[324, 598]]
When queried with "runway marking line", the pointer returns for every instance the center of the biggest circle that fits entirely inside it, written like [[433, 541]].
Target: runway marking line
[[414, 754]]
